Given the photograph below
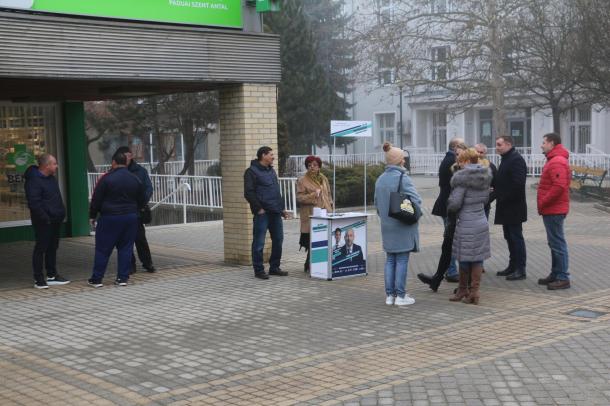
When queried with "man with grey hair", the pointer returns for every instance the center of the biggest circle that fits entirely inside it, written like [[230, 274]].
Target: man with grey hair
[[47, 212]]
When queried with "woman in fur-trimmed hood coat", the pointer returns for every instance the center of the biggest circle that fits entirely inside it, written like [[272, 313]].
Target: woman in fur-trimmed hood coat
[[469, 194]]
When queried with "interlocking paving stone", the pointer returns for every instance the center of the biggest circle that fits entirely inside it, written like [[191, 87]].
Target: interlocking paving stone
[[199, 332]]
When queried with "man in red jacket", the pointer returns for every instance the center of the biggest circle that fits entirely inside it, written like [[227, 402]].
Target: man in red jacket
[[553, 205]]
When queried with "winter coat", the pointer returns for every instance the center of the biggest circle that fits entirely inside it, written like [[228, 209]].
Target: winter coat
[[142, 174], [262, 188], [116, 193], [511, 207], [554, 186], [444, 177], [43, 196], [396, 235], [307, 199], [469, 194]]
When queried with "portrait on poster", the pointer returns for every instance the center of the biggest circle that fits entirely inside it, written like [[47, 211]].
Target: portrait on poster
[[348, 248]]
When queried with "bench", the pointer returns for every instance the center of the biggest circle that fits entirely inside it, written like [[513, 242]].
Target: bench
[[583, 174]]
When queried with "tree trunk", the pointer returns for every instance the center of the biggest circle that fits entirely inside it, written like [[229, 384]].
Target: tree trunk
[[188, 135], [159, 144], [556, 111], [496, 82]]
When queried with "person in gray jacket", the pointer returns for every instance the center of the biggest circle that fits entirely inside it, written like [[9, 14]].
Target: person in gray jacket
[[469, 194], [399, 239]]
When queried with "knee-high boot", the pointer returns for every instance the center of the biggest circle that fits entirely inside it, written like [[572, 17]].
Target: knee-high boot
[[475, 284], [462, 290], [306, 264]]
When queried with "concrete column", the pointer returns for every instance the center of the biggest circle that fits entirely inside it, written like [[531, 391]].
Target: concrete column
[[248, 120]]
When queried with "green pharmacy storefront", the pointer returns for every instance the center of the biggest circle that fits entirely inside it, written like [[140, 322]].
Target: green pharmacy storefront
[[57, 54]]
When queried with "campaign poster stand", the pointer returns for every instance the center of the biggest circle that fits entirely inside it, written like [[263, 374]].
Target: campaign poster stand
[[338, 255]]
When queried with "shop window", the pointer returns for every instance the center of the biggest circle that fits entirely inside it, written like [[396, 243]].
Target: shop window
[[25, 132]]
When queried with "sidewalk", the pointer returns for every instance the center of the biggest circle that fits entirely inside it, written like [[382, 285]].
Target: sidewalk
[[200, 332]]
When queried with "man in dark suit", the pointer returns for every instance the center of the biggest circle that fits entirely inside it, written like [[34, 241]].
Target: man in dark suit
[[352, 253], [511, 207], [447, 264]]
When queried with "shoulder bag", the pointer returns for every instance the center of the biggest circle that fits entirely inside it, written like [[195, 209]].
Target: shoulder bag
[[402, 207]]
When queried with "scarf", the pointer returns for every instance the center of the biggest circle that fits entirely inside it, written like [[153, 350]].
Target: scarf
[[318, 178]]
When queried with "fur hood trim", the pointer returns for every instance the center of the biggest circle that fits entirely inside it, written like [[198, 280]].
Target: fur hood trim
[[473, 176]]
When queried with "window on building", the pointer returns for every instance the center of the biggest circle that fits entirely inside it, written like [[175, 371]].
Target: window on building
[[440, 61], [580, 129], [386, 127], [439, 131], [486, 127], [439, 6], [26, 130], [386, 71], [510, 56], [385, 11]]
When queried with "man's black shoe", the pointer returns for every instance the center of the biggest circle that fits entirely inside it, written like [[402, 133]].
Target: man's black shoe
[[505, 272], [547, 280], [150, 269], [452, 278], [278, 272], [516, 276], [261, 275], [429, 280]]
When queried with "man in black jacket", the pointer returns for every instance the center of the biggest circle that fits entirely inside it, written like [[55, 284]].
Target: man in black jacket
[[141, 242], [511, 207], [117, 198], [47, 211], [262, 191], [447, 264]]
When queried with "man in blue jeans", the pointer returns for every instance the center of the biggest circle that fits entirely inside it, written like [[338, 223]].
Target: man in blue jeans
[[553, 205], [262, 191]]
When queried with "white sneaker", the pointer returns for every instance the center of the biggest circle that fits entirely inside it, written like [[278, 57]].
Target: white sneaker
[[389, 300], [404, 301]]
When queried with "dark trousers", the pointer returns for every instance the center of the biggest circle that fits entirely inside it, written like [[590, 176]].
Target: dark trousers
[[142, 248], [114, 231], [446, 259], [513, 234], [262, 223], [45, 250]]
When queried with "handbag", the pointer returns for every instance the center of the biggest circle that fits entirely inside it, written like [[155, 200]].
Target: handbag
[[146, 214], [402, 207]]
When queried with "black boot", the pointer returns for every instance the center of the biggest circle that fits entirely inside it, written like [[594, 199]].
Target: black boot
[[518, 275], [431, 281], [506, 272]]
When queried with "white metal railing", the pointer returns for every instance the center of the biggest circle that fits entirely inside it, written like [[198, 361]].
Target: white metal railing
[[203, 191], [428, 163], [171, 167]]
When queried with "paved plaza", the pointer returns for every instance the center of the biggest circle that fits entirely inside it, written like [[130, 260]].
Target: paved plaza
[[199, 332]]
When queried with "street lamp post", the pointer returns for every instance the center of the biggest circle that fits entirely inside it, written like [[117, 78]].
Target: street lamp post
[[400, 115]]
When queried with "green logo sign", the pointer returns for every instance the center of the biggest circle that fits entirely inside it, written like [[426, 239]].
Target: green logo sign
[[21, 158], [222, 13]]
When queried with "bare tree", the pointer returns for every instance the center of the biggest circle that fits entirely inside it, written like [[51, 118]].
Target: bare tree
[[549, 73], [593, 18]]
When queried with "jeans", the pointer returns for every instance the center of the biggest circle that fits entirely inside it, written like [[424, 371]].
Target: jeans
[[513, 234], [452, 270], [47, 241], [553, 225], [262, 223], [114, 231], [395, 273]]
